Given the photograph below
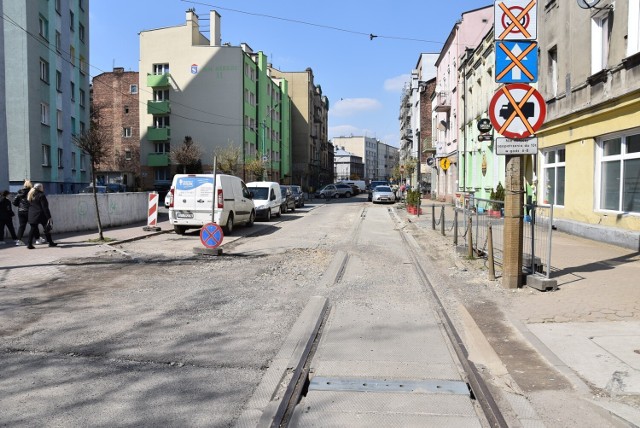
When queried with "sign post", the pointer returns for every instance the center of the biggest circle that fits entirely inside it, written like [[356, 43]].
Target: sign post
[[517, 111]]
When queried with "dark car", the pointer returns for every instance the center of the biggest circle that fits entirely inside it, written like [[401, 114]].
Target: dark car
[[298, 194], [99, 189], [288, 201]]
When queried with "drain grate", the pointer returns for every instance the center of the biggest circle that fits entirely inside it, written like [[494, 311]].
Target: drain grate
[[435, 386]]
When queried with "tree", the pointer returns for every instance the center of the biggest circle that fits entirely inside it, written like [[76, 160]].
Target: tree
[[188, 155], [255, 168], [95, 144], [228, 159]]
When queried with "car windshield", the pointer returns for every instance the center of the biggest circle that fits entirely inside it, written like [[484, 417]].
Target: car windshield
[[260, 192], [382, 189]]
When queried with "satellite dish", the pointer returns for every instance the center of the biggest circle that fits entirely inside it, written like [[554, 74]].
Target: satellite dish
[[587, 4]]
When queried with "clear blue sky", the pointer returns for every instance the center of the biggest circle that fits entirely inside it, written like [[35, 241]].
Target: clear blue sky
[[362, 78]]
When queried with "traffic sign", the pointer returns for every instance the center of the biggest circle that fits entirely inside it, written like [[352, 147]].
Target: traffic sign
[[515, 20], [445, 163], [211, 235], [516, 62], [517, 110], [484, 125], [509, 146]]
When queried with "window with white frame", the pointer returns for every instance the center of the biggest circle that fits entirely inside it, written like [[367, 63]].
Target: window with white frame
[[161, 95], [83, 65], [633, 29], [83, 162], [160, 68], [82, 98], [73, 91], [161, 121], [60, 158], [72, 56], [127, 154], [553, 168], [43, 27], [133, 89], [44, 71], [553, 71], [618, 172], [600, 35], [59, 119], [46, 155], [58, 41], [126, 132], [44, 113], [162, 148]]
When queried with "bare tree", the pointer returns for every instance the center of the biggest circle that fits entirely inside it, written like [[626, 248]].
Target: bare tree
[[255, 168], [228, 159], [187, 155], [95, 144]]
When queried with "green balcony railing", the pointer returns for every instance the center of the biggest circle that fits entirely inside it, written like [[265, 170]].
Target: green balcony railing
[[158, 134], [158, 159], [158, 80], [158, 107]]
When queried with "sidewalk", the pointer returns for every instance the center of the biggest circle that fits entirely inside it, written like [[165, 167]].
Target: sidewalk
[[589, 327]]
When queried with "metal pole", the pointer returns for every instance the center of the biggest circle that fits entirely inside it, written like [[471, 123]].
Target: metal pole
[[470, 232], [455, 227], [532, 211], [549, 241], [433, 217], [490, 260], [442, 220], [213, 191]]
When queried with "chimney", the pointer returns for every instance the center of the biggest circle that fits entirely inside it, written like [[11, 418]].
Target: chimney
[[193, 26], [118, 70], [214, 28]]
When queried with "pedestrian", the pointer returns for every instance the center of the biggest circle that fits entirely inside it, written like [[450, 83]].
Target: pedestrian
[[6, 217], [22, 203], [39, 214]]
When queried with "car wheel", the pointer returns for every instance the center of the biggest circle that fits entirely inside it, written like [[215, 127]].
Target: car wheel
[[347, 195], [252, 218], [269, 214], [337, 195], [179, 229], [279, 212], [293, 209], [228, 229]]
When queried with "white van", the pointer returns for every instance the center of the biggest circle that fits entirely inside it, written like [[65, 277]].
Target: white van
[[360, 183], [192, 199], [267, 198]]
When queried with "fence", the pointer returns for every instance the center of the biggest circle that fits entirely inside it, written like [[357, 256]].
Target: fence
[[481, 214]]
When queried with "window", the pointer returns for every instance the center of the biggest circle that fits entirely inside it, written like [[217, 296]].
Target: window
[[44, 71], [83, 65], [82, 127], [161, 121], [160, 68], [58, 81], [619, 173], [633, 36], [127, 154], [553, 170], [81, 4], [46, 155], [72, 55], [553, 71], [162, 147], [60, 160], [72, 19], [83, 162], [73, 126], [43, 27], [59, 119], [600, 34], [58, 41], [126, 109], [73, 161], [133, 89], [73, 91], [162, 174], [58, 6], [161, 95], [82, 98], [126, 132], [81, 32], [44, 113]]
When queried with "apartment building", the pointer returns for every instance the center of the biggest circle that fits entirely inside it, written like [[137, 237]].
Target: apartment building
[[114, 99], [310, 147], [379, 158], [589, 166], [45, 87], [219, 95], [347, 165]]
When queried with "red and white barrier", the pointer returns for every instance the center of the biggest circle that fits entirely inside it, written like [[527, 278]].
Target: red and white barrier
[[152, 212]]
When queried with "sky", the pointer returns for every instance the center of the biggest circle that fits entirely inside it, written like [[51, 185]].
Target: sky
[[361, 76]]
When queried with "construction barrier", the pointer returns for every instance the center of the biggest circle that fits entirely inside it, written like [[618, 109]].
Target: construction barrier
[[152, 213]]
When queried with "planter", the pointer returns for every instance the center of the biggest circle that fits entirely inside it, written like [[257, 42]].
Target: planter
[[495, 213], [412, 209]]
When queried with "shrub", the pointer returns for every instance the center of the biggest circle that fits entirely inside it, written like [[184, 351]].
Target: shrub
[[497, 196], [413, 198]]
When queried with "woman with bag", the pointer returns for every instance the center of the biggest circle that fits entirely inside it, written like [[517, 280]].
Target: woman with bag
[[39, 214], [22, 203], [6, 217]]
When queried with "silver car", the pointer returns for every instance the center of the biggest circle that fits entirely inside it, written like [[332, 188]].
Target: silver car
[[383, 194]]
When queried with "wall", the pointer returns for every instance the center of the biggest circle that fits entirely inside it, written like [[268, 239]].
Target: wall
[[73, 213]]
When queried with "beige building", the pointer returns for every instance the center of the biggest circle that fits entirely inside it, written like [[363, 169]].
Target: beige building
[[379, 158], [312, 161]]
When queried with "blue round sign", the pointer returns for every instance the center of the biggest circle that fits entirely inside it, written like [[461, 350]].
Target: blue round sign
[[211, 235]]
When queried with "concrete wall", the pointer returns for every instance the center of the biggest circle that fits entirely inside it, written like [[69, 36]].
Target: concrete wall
[[77, 212]]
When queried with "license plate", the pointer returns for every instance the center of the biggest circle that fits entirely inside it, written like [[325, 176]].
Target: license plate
[[184, 215]]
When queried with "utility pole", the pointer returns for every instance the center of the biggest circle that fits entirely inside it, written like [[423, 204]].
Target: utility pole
[[513, 212]]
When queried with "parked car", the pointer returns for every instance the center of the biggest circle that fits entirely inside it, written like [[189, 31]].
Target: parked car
[[116, 188], [383, 194], [99, 189], [344, 190], [297, 193], [267, 198], [288, 202], [328, 191]]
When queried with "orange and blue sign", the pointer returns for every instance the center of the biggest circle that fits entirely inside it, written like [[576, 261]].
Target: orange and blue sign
[[516, 62], [211, 235]]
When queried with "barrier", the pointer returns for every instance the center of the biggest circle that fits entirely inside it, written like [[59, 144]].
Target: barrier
[[152, 213]]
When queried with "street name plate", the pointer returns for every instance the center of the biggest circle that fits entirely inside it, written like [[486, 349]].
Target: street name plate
[[509, 146]]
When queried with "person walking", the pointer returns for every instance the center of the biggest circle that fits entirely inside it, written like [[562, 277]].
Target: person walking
[[22, 203], [6, 217], [39, 214]]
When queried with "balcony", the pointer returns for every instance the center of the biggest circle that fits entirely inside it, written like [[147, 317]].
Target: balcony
[[158, 159], [158, 107], [158, 134], [443, 102], [158, 80]]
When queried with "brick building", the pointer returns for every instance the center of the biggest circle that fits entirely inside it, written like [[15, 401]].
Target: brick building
[[114, 96]]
